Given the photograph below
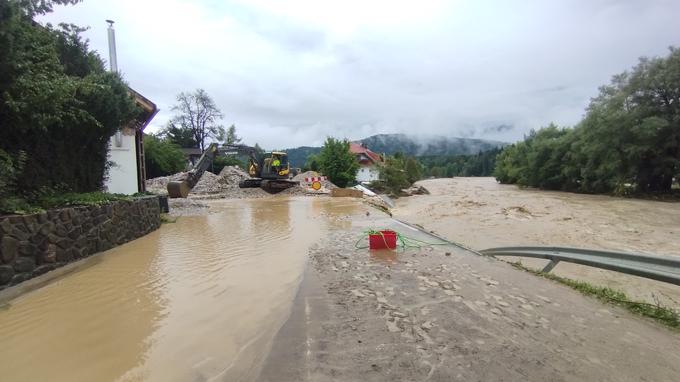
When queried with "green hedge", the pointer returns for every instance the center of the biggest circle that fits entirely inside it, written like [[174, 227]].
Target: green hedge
[[58, 105]]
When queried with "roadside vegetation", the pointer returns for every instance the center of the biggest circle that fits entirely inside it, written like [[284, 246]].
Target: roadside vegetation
[[627, 143], [58, 106], [398, 172], [658, 312], [336, 162], [162, 157]]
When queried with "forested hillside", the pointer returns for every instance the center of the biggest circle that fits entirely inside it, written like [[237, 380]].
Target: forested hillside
[[424, 145], [628, 141], [409, 145], [298, 156]]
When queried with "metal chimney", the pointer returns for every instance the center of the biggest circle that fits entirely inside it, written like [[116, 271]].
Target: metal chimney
[[113, 60]]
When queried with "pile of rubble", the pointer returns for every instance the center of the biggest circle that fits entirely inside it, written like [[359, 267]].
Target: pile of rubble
[[160, 185], [231, 176], [208, 184], [226, 185], [226, 181]]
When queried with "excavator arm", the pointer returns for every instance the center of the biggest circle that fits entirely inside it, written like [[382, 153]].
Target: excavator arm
[[181, 189], [254, 158]]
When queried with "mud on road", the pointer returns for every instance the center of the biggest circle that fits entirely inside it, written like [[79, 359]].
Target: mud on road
[[423, 315], [480, 213]]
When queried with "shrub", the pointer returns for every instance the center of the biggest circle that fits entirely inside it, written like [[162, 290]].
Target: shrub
[[162, 157], [337, 162]]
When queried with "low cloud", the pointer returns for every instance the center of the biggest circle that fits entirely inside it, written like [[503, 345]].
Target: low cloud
[[291, 74]]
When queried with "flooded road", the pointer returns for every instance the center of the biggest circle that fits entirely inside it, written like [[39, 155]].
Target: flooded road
[[197, 300], [481, 213]]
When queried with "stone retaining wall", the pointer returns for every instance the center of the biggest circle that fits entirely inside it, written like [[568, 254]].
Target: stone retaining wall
[[31, 245]]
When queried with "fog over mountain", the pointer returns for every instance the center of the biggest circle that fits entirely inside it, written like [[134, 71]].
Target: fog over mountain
[[415, 145], [290, 73]]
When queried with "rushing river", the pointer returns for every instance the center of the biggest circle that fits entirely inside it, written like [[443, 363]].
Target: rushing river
[[197, 300]]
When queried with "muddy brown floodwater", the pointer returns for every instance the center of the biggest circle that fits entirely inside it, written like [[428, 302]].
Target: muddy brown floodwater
[[481, 213], [197, 300]]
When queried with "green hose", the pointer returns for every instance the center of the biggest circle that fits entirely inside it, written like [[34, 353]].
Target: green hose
[[403, 241]]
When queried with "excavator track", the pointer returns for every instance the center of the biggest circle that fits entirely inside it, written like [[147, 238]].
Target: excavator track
[[250, 183], [274, 186]]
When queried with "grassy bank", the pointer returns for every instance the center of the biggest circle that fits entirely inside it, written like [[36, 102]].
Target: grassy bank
[[657, 312]]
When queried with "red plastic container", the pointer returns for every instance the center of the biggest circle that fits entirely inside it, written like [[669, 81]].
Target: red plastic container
[[383, 240]]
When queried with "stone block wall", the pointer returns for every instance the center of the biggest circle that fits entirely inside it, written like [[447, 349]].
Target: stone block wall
[[31, 245]]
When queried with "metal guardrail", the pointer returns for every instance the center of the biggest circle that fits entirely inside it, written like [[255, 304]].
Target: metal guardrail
[[664, 269]]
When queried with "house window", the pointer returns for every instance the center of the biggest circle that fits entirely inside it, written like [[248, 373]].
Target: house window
[[118, 139]]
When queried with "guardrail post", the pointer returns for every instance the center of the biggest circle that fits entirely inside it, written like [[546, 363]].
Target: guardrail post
[[550, 266]]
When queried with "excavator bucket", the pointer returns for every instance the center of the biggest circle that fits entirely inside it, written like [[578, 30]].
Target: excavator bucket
[[178, 189]]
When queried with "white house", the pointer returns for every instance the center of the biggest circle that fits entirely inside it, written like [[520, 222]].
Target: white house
[[368, 163], [127, 174]]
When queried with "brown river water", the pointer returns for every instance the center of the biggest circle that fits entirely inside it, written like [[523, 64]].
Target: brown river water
[[198, 300]]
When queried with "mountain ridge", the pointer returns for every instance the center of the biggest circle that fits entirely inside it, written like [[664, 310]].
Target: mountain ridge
[[408, 144]]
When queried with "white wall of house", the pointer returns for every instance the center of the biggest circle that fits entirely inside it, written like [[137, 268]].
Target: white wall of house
[[122, 177], [367, 174]]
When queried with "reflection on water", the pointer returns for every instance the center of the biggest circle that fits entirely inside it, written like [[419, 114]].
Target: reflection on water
[[200, 299], [77, 327], [386, 256]]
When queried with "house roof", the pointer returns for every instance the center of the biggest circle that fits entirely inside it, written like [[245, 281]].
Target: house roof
[[149, 110], [357, 148], [187, 151]]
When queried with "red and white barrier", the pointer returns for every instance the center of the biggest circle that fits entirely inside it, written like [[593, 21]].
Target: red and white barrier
[[315, 179]]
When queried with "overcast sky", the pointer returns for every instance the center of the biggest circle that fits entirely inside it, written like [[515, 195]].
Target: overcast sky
[[290, 73]]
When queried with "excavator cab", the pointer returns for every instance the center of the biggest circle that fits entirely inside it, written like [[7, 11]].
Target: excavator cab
[[275, 166]]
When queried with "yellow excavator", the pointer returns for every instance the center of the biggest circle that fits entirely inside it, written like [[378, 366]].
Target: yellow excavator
[[269, 171]]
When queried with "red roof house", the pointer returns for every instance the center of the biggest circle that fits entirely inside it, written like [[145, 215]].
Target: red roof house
[[368, 161]]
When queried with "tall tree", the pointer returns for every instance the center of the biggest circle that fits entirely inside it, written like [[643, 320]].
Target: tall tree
[[40, 7], [628, 141], [230, 137], [183, 138], [337, 162], [198, 113], [413, 169]]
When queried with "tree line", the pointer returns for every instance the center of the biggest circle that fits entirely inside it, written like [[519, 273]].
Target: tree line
[[446, 166], [628, 141]]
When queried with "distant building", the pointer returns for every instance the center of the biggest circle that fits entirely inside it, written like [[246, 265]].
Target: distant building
[[192, 155], [369, 162], [127, 174]]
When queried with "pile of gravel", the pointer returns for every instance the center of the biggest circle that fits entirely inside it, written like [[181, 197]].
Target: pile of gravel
[[160, 185], [208, 184], [232, 175], [225, 185]]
